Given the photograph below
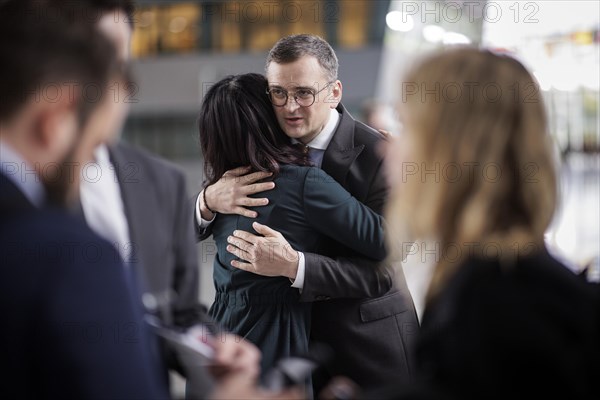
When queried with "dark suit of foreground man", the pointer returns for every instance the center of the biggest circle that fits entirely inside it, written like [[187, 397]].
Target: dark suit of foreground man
[[369, 322], [70, 326], [139, 205]]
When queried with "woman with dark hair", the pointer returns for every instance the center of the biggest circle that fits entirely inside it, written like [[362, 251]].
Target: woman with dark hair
[[238, 128]]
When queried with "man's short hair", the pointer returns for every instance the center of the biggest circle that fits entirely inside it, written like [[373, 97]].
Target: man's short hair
[[42, 46], [291, 48]]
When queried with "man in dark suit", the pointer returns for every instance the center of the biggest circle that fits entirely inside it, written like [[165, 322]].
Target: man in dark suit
[[369, 321], [71, 307], [136, 202], [70, 326], [140, 203]]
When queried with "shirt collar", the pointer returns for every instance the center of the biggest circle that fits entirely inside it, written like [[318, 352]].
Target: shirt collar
[[21, 174], [322, 140], [101, 156]]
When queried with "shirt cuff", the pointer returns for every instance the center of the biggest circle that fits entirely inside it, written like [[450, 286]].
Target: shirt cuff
[[299, 281], [201, 221]]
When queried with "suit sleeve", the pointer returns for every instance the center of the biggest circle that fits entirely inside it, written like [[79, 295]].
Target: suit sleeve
[[187, 310], [350, 276], [331, 210]]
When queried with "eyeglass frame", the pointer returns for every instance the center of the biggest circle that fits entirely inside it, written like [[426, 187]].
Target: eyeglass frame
[[287, 96]]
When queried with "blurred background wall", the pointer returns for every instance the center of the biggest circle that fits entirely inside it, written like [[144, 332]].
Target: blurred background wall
[[181, 47]]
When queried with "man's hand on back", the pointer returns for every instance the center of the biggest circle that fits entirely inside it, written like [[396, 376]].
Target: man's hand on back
[[230, 194], [267, 255]]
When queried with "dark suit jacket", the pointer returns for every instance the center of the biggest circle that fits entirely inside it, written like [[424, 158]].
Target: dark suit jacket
[[158, 215], [525, 330], [361, 310], [367, 315], [157, 209], [69, 326]]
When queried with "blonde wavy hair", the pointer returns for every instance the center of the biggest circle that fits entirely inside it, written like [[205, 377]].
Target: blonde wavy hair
[[482, 178]]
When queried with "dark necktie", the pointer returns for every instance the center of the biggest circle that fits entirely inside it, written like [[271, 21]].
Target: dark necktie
[[304, 149]]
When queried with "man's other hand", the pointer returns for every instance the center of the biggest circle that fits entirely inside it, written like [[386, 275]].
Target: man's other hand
[[267, 255]]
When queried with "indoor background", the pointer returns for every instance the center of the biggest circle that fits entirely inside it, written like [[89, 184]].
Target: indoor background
[[181, 47]]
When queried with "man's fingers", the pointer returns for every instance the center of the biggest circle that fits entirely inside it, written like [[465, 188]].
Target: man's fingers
[[245, 212], [238, 252], [247, 237], [258, 187], [264, 230], [252, 202], [244, 243], [243, 266], [240, 248], [238, 171], [255, 177]]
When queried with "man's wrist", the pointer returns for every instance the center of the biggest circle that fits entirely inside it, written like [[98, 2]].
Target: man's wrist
[[293, 267], [205, 211], [202, 223]]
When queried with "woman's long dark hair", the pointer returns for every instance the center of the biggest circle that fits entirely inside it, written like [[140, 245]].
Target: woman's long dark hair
[[238, 127]]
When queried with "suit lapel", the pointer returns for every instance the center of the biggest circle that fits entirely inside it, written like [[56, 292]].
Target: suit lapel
[[341, 152], [142, 212], [128, 175]]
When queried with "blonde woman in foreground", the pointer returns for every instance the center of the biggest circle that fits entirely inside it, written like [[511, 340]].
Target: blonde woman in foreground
[[503, 318]]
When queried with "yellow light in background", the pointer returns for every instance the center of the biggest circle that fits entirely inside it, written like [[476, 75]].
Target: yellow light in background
[[586, 37], [354, 20], [178, 24]]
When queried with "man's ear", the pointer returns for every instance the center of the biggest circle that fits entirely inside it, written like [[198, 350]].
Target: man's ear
[[55, 124], [336, 94]]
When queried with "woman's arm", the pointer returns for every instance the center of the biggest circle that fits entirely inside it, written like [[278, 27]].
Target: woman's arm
[[332, 211]]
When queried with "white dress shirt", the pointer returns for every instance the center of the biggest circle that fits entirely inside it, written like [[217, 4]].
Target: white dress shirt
[[102, 202], [22, 174], [317, 146]]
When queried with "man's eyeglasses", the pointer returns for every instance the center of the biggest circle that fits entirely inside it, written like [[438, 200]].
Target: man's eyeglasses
[[304, 97]]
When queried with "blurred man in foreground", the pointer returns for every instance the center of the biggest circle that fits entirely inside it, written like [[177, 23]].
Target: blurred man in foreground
[[140, 204], [70, 328]]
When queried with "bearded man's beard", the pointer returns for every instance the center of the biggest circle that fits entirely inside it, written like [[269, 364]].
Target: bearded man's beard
[[62, 180]]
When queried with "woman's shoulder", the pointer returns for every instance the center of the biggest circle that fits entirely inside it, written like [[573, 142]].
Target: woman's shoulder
[[311, 181], [306, 172], [537, 279], [300, 173]]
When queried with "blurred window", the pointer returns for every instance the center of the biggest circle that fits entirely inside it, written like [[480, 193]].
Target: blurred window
[[251, 26]]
